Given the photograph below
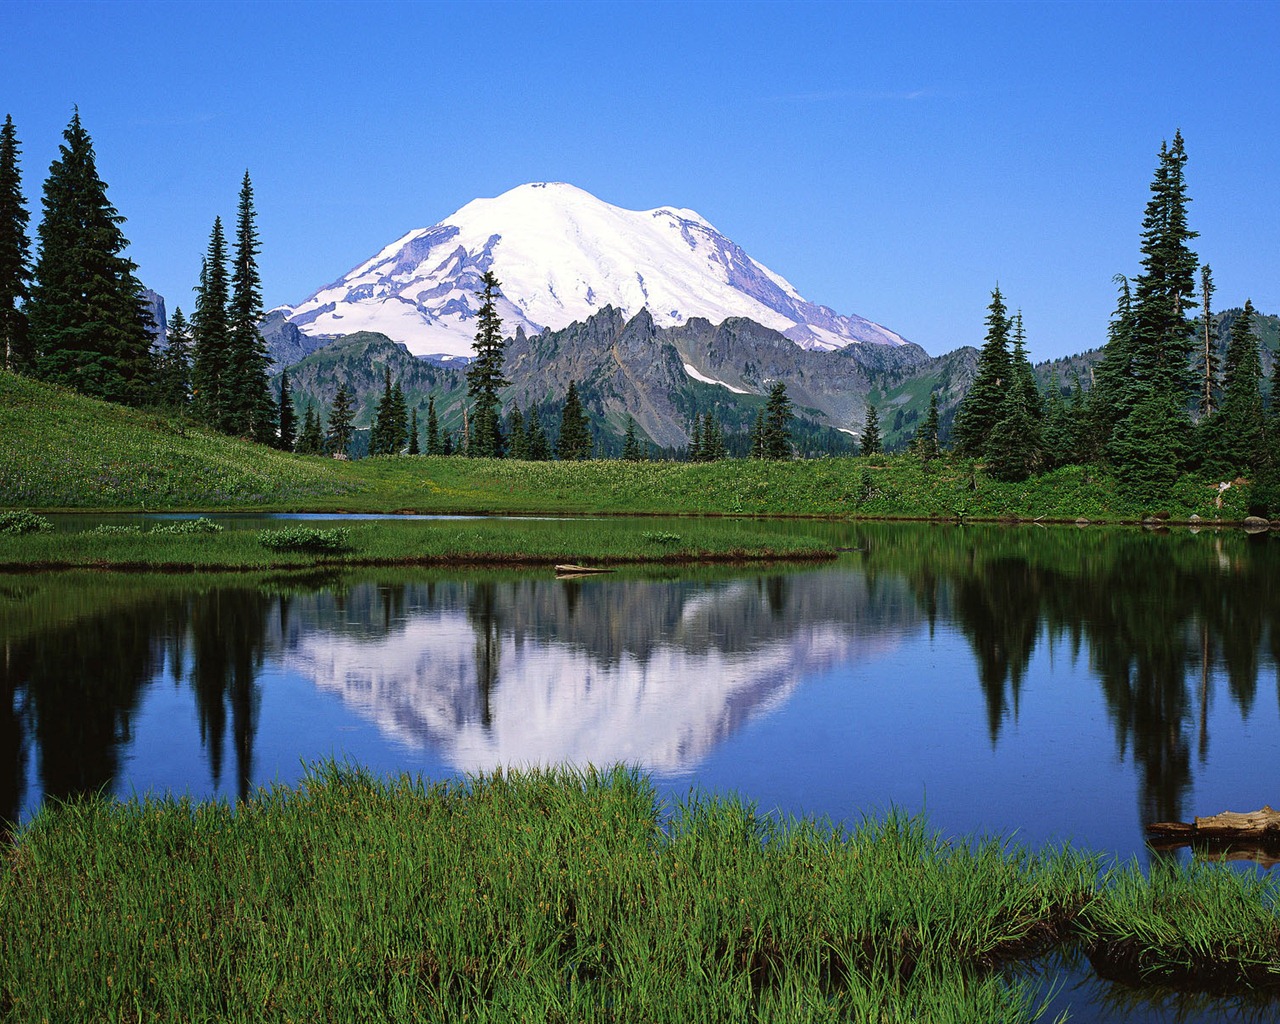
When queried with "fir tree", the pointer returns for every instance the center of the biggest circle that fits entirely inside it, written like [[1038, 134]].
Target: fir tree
[[90, 327], [1239, 426], [1013, 449], [1057, 435], [249, 407], [925, 446], [757, 436], [484, 375], [433, 428], [776, 432], [518, 448], [173, 367], [574, 441], [1024, 376], [1209, 351], [713, 448], [414, 449], [287, 417], [446, 442], [871, 440], [981, 407], [381, 440], [399, 420], [537, 448], [16, 352], [211, 332], [694, 452], [311, 440], [339, 434], [630, 446]]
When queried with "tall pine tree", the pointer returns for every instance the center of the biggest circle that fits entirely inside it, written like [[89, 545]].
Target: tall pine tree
[[776, 432], [484, 375], [1208, 350], [173, 367], [980, 409], [433, 428], [340, 428], [288, 418], [1239, 426], [574, 441], [872, 443], [211, 332], [16, 352], [90, 326], [251, 410]]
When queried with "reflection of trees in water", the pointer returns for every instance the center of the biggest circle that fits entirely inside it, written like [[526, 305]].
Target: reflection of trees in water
[[13, 742], [1158, 615], [482, 612]]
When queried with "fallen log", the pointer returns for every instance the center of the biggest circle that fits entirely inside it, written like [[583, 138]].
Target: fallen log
[[1231, 835], [580, 570]]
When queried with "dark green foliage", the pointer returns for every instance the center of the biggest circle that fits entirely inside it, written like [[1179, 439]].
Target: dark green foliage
[[925, 444], [211, 331], [387, 435], [574, 441], [872, 444], [694, 451], [1208, 350], [311, 440], [287, 417], [16, 352], [173, 366], [1237, 431], [23, 521], [981, 408], [1022, 374], [776, 429], [757, 436], [713, 446], [1057, 428], [1013, 448], [414, 448], [89, 324], [631, 450], [250, 408], [339, 433], [536, 446], [434, 446], [1149, 445], [518, 444], [484, 376]]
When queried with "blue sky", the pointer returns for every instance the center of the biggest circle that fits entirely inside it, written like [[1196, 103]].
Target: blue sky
[[891, 160]]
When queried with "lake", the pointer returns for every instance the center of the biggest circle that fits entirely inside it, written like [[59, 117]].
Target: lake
[[1055, 684]]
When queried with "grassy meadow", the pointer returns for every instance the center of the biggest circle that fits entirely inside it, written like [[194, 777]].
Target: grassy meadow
[[556, 895], [66, 452]]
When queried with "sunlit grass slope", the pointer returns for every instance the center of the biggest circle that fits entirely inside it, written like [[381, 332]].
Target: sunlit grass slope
[[62, 451]]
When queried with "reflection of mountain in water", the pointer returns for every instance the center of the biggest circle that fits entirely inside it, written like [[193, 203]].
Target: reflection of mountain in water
[[598, 671]]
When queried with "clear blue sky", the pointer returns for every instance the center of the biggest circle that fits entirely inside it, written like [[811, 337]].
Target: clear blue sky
[[894, 160]]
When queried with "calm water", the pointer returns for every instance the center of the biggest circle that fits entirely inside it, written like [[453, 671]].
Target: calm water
[[1056, 684]]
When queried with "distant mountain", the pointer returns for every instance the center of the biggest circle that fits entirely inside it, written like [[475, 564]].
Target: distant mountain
[[561, 255], [662, 377]]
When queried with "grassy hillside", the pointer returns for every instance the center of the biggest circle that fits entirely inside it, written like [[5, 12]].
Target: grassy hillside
[[62, 451]]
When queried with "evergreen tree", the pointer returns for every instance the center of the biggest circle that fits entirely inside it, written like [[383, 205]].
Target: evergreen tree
[[981, 407], [757, 436], [414, 449], [288, 418], [484, 375], [926, 445], [537, 448], [173, 366], [90, 328], [1208, 352], [1057, 435], [776, 432], [249, 407], [1013, 449], [311, 440], [380, 433], [1239, 426], [694, 452], [339, 435], [518, 447], [16, 352], [211, 332], [1024, 376], [713, 447], [575, 429], [872, 444], [399, 431], [433, 428], [446, 442], [630, 446]]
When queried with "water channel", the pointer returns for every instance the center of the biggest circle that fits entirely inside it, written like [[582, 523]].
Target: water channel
[[1050, 684]]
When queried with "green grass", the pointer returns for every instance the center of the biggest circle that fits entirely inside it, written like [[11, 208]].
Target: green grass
[[556, 895], [63, 451], [409, 542]]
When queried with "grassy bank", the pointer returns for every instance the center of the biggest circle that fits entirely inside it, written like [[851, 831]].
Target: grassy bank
[[199, 545], [63, 451], [558, 896]]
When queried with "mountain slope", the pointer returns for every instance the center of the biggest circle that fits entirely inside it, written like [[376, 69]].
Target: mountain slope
[[561, 254]]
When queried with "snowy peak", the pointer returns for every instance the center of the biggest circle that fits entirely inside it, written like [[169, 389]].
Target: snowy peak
[[561, 254]]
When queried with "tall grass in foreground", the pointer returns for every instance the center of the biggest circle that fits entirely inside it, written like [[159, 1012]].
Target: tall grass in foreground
[[555, 895]]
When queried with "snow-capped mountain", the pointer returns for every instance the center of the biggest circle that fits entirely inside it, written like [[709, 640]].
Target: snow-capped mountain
[[560, 254]]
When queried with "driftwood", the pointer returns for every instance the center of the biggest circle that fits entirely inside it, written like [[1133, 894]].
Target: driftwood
[[1231, 835], [579, 570]]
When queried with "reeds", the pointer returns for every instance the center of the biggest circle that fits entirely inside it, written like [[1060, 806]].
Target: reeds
[[558, 895]]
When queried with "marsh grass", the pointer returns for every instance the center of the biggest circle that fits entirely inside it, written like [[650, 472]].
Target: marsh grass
[[190, 546], [543, 895]]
